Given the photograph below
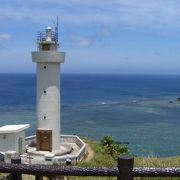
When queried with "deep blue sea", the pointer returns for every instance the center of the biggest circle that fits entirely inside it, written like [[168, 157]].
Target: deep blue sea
[[140, 109]]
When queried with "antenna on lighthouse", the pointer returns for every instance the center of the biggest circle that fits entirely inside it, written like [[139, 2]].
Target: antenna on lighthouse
[[56, 30]]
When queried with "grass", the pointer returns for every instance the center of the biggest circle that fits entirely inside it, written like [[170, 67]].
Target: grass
[[102, 159], [157, 162], [100, 156]]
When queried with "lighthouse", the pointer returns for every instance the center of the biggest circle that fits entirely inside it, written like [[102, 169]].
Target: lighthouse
[[48, 60]]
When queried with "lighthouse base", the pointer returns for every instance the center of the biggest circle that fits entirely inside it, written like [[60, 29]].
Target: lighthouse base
[[69, 144], [63, 149]]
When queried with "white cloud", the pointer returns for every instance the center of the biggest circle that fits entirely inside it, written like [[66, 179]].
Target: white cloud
[[127, 13], [133, 13], [5, 36], [82, 41]]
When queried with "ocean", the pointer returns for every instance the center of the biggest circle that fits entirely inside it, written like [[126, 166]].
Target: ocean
[[139, 109]]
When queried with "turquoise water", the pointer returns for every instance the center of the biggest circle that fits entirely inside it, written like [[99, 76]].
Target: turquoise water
[[141, 110]]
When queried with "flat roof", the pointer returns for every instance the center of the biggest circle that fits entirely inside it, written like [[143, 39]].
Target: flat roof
[[13, 128]]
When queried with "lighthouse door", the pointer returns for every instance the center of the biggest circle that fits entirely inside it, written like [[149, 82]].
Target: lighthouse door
[[44, 140]]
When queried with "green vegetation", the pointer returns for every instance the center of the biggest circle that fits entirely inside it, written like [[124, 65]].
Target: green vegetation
[[105, 156], [112, 148], [100, 155]]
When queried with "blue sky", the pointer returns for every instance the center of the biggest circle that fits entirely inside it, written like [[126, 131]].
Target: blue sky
[[98, 36]]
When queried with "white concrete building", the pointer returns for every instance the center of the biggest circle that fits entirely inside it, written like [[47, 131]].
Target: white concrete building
[[12, 138], [48, 61]]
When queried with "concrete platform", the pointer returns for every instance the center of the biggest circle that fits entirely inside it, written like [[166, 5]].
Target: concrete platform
[[68, 144], [63, 149]]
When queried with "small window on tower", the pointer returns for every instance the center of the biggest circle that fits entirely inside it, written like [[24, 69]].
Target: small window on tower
[[46, 47]]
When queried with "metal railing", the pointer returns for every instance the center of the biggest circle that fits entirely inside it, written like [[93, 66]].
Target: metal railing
[[124, 171], [42, 36]]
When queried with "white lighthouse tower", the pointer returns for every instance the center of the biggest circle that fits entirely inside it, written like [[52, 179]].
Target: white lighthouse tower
[[48, 60]]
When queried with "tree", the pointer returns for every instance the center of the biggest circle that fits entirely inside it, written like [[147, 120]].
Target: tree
[[112, 148]]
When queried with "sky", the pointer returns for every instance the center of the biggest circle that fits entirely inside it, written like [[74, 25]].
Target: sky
[[98, 36]]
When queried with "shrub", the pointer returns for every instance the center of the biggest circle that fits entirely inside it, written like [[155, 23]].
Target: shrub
[[112, 148]]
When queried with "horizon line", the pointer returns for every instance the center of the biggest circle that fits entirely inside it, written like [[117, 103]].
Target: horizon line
[[73, 73]]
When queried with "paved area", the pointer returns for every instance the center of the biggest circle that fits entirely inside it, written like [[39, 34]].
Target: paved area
[[35, 158]]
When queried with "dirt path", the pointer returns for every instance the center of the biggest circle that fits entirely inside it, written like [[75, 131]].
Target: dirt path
[[90, 153]]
